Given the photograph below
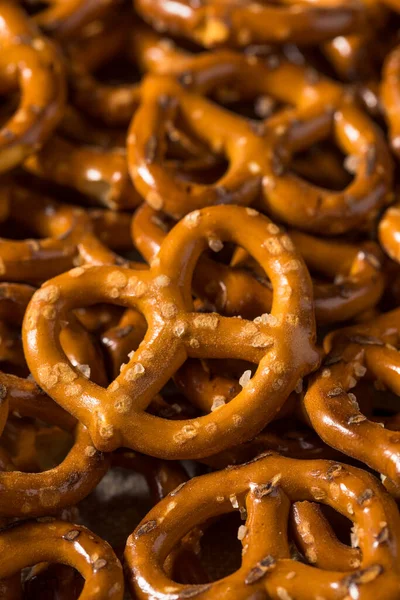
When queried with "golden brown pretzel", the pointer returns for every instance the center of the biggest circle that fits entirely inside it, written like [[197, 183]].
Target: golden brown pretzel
[[101, 174], [259, 154], [368, 348], [217, 22], [30, 62], [266, 488], [34, 542], [115, 416], [68, 233], [234, 290]]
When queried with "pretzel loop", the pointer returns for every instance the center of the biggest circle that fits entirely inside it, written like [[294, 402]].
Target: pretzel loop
[[74, 545]]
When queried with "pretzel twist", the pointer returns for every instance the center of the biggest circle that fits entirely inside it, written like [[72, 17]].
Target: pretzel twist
[[215, 22], [57, 541], [116, 416], [30, 62], [266, 488], [259, 154], [334, 413]]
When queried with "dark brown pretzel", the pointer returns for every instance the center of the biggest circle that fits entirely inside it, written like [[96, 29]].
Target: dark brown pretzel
[[216, 22], [266, 488], [333, 411], [163, 294], [30, 62]]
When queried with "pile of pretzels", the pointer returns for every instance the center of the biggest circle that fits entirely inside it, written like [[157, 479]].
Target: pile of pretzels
[[200, 294]]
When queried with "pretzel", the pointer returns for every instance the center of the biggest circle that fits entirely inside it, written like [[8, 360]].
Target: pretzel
[[163, 295], [93, 171], [257, 163], [265, 488], [233, 290], [65, 18], [31, 63], [215, 23], [57, 541], [334, 413]]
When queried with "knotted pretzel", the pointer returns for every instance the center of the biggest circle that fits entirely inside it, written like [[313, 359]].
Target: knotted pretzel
[[266, 488], [115, 416], [368, 348], [31, 63], [217, 22], [234, 290], [259, 154], [39, 541]]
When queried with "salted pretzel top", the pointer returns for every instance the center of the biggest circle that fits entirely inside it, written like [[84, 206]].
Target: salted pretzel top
[[265, 488], [259, 154], [115, 416], [31, 62], [367, 348], [235, 23]]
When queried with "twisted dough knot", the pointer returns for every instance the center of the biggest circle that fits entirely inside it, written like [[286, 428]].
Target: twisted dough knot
[[259, 154], [116, 416], [264, 490]]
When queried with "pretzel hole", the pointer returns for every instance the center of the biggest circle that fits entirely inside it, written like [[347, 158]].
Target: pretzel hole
[[220, 549], [323, 165], [51, 581], [12, 358], [118, 71]]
